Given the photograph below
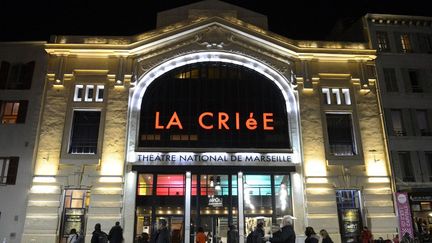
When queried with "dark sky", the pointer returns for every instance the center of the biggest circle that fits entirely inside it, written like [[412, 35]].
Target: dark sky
[[300, 19]]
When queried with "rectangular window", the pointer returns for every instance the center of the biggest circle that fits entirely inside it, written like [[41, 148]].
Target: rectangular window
[[326, 96], [349, 212], [89, 93], [383, 42], [16, 76], [390, 80], [397, 123], [415, 82], [405, 43], [99, 93], [347, 97], [406, 167], [12, 112], [76, 203], [78, 93], [85, 132], [428, 157], [424, 42], [340, 134], [89, 90], [170, 185], [422, 122], [338, 95], [8, 170]]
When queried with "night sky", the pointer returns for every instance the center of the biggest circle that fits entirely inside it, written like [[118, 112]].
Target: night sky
[[301, 19]]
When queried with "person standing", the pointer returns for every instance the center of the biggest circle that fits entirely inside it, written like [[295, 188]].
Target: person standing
[[232, 234], [73, 236], [286, 234], [311, 236], [325, 236], [162, 234], [366, 235], [116, 233], [406, 238], [201, 236], [258, 233], [98, 235]]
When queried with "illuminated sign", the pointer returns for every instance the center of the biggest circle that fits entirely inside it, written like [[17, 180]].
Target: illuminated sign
[[213, 105], [208, 121], [213, 157], [215, 202]]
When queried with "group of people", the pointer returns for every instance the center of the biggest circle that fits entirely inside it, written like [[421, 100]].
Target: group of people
[[286, 234], [161, 235], [115, 235]]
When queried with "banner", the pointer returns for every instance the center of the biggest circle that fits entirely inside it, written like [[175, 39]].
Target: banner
[[404, 214]]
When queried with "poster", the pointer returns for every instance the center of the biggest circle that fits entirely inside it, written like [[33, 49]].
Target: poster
[[404, 214], [73, 219], [350, 224]]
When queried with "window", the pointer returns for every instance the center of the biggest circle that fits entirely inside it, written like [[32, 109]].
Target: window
[[349, 212], [390, 80], [336, 95], [340, 134], [383, 42], [405, 43], [422, 122], [88, 93], [213, 87], [16, 76], [76, 203], [406, 167], [8, 170], [428, 157], [85, 132], [397, 123], [424, 42], [12, 112], [415, 82]]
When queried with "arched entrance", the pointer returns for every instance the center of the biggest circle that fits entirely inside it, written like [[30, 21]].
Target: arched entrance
[[188, 120]]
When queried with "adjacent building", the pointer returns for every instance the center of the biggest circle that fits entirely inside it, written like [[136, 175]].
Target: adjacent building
[[404, 64], [22, 79], [208, 121]]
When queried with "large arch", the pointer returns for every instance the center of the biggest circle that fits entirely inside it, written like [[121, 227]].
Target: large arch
[[282, 82]]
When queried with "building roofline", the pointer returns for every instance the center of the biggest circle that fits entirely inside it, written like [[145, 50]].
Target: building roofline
[[399, 19], [23, 43]]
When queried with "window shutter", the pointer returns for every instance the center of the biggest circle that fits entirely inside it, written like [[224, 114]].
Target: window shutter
[[4, 70], [27, 75], [22, 111], [12, 171]]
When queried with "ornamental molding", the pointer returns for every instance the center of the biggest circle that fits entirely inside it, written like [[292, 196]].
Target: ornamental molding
[[215, 38]]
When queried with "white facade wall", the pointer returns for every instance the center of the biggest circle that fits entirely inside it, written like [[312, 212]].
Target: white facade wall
[[20, 139]]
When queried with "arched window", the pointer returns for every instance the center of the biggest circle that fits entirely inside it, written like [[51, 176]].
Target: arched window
[[207, 105]]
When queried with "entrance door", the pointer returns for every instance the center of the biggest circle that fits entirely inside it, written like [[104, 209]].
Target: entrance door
[[216, 228], [175, 227]]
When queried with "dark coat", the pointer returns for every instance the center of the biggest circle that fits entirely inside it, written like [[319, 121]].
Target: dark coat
[[96, 234], [116, 234], [312, 239], [327, 240], [285, 235], [232, 236], [162, 236], [258, 235]]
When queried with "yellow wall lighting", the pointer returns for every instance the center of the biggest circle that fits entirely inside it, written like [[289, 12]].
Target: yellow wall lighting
[[377, 170], [43, 189], [45, 167], [315, 171], [111, 168]]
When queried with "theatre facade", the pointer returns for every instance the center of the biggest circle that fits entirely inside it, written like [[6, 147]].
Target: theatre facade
[[209, 122]]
